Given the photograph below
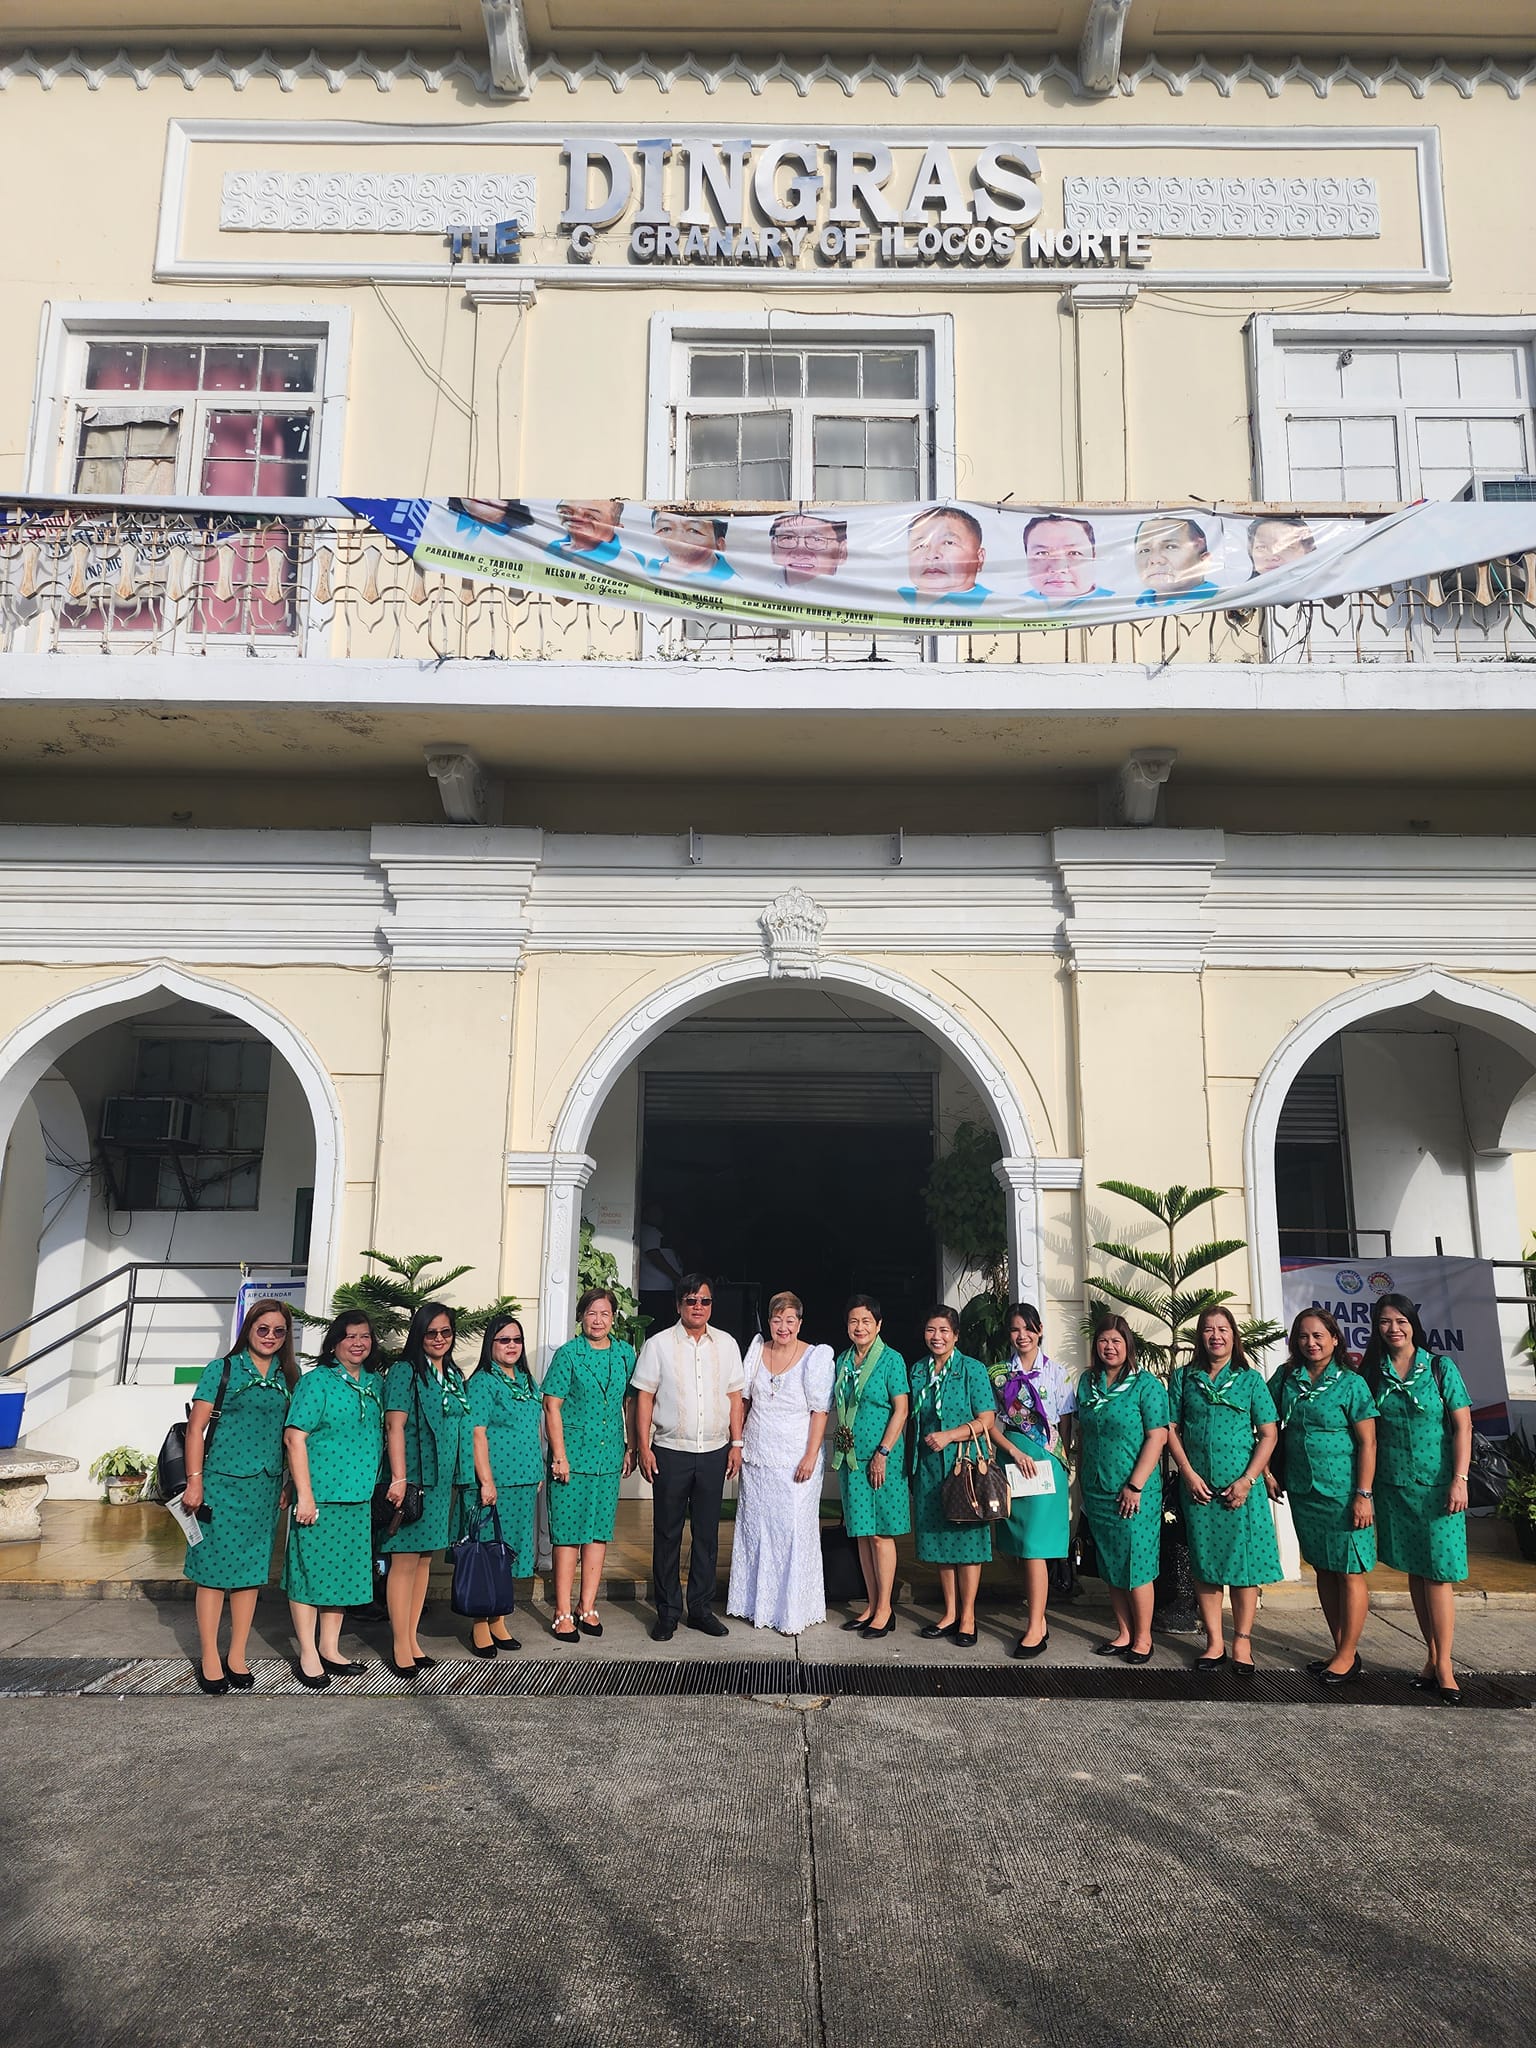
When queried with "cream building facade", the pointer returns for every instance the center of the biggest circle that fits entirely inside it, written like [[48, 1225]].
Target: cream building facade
[[458, 914]]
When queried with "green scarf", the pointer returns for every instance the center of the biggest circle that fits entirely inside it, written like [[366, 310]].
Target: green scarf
[[847, 1391]]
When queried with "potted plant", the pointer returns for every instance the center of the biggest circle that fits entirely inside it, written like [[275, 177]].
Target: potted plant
[[123, 1473], [1517, 1505]]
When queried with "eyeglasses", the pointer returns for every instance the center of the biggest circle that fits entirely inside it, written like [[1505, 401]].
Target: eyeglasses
[[698, 1301]]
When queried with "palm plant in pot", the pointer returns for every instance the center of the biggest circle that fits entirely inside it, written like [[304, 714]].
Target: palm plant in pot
[[123, 1473], [1165, 1288]]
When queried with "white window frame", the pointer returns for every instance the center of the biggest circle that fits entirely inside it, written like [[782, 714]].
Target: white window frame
[[67, 331], [672, 335], [1270, 335]]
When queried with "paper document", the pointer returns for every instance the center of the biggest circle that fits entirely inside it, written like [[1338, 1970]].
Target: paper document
[[185, 1521], [1022, 1487]]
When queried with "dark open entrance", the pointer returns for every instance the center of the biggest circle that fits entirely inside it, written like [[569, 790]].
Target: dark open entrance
[[808, 1181]]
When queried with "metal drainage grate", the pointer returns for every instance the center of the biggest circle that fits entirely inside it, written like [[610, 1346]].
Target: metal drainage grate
[[756, 1677]]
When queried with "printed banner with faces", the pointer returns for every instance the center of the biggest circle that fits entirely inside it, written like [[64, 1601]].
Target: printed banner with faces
[[939, 568]]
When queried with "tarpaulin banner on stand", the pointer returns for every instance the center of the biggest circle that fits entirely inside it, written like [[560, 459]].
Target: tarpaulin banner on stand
[[938, 568], [1457, 1303]]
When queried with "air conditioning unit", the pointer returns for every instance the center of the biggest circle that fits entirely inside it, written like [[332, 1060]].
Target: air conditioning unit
[[164, 1123], [1500, 490]]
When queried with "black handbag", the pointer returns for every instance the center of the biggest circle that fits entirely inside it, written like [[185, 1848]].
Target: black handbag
[[977, 1489], [841, 1573], [389, 1518], [171, 1465], [484, 1568]]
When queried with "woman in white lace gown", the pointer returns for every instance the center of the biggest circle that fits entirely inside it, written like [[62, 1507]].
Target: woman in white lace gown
[[776, 1555]]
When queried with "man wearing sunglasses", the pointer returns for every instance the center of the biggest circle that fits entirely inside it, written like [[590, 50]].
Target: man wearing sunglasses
[[687, 1385]]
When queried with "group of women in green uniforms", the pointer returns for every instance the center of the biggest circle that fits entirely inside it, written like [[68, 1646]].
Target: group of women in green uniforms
[[1369, 1461], [420, 1427]]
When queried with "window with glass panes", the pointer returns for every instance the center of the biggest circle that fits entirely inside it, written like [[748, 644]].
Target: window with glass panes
[[1367, 423], [227, 1080], [836, 424], [187, 417]]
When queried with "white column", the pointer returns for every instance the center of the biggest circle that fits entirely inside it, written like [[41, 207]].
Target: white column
[[562, 1175], [1023, 1176]]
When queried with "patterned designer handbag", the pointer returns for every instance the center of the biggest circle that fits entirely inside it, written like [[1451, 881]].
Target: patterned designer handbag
[[977, 1489]]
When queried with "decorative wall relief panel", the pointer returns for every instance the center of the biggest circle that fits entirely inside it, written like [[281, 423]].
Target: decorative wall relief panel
[[1225, 209], [375, 202]]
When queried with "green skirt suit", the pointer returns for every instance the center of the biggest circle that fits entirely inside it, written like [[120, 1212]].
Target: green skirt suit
[[1317, 1438], [1218, 1417], [507, 1407], [1030, 1406], [1116, 1418], [242, 1475], [439, 1452], [862, 1398], [946, 1397], [330, 1563], [1415, 1460], [591, 1385]]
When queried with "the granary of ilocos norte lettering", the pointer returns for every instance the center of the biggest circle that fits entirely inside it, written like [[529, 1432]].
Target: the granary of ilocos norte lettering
[[351, 898]]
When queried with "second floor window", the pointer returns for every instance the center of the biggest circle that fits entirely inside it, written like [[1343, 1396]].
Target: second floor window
[[836, 424], [158, 416]]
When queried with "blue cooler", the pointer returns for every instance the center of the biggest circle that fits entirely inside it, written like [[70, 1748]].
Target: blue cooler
[[11, 1405]]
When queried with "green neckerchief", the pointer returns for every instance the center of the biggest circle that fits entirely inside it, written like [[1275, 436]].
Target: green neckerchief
[[362, 1383], [1406, 1384], [519, 1382], [1210, 1384], [848, 1390], [455, 1391], [1095, 1390], [255, 1377], [1299, 1385], [933, 1384]]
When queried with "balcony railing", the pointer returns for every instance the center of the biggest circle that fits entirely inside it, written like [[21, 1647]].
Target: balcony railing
[[184, 583]]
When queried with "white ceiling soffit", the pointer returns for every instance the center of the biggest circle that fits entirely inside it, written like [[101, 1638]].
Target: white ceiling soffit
[[506, 34]]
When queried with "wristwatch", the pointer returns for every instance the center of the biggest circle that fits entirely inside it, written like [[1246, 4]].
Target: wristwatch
[[738, 1443], [879, 1452], [1362, 1493]]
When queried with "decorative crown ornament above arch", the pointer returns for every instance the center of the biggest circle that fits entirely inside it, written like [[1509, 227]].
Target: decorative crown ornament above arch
[[792, 925]]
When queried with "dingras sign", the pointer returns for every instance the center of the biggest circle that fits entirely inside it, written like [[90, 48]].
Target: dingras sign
[[833, 204]]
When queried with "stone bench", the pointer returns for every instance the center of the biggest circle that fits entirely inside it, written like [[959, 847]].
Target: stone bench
[[24, 1477]]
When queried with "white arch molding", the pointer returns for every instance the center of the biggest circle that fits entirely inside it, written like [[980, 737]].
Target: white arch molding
[[566, 1169], [32, 1048], [1493, 1010]]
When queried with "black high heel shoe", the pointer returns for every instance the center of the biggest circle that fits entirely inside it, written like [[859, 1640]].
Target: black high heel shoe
[[1352, 1676], [220, 1684], [858, 1622], [887, 1628]]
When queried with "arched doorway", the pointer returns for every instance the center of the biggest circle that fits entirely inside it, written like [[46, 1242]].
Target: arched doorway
[[248, 1169], [852, 1022], [1386, 1124]]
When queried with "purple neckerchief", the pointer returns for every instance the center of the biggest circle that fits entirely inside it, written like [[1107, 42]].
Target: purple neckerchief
[[1022, 1381]]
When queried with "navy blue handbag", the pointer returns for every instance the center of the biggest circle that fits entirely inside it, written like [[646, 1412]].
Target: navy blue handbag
[[483, 1567]]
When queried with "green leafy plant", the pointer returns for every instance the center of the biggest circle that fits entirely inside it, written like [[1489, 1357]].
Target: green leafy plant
[[966, 1206], [392, 1296], [121, 1466], [1169, 1294], [597, 1268], [1517, 1503]]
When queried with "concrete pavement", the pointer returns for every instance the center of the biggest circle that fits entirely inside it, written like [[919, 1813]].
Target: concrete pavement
[[688, 1872]]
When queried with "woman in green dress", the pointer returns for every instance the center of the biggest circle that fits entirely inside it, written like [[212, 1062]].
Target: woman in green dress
[[1032, 1429], [335, 1443], [430, 1445], [1328, 1462], [505, 1409], [1122, 1414], [952, 1403], [589, 1420], [870, 1401], [235, 1483], [1423, 1456], [1222, 1433]]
